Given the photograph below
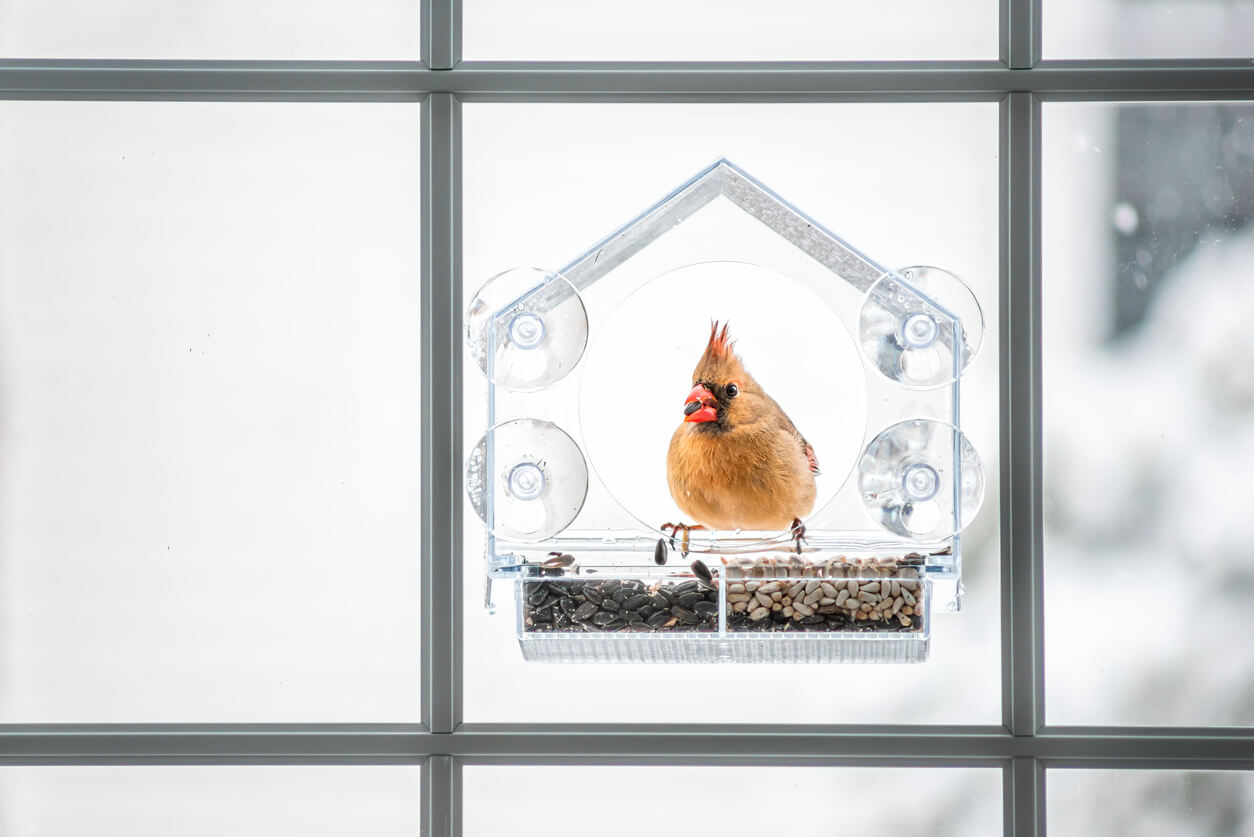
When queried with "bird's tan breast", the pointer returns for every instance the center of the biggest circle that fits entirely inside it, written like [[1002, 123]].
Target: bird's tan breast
[[739, 479]]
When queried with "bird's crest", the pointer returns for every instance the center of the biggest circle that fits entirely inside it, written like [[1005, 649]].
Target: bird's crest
[[719, 360], [719, 348]]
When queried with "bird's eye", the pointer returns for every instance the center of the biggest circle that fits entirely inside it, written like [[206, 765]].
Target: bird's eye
[[732, 390]]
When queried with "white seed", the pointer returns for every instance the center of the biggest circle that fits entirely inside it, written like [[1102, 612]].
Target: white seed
[[769, 587], [752, 585], [811, 598], [853, 587], [787, 611], [869, 597], [897, 604], [826, 600], [909, 597], [803, 609], [904, 619], [736, 587], [759, 614], [865, 607], [842, 596], [908, 610], [829, 589], [811, 586], [738, 597], [796, 589], [871, 587], [763, 599], [740, 607], [895, 588]]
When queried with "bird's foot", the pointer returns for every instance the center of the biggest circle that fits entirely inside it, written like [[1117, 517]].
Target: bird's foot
[[676, 529], [798, 532]]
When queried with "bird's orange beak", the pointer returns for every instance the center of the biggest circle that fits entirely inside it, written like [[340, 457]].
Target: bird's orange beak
[[700, 405]]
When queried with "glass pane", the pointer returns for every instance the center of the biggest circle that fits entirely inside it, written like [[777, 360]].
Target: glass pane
[[209, 449], [920, 187], [732, 30], [220, 29], [1149, 803], [1148, 412], [204, 801], [1148, 28], [715, 800]]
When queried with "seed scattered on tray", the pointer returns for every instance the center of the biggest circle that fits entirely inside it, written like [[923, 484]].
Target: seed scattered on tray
[[702, 572], [558, 560]]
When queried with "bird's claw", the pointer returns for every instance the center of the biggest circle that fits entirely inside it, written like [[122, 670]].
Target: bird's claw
[[798, 532], [675, 529]]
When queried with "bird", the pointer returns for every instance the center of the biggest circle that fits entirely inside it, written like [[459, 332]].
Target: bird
[[737, 461]]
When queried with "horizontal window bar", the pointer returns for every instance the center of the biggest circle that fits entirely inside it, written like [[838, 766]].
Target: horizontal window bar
[[407, 81], [553, 744]]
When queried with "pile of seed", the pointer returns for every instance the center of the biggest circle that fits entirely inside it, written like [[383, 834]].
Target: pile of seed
[[859, 595], [619, 605]]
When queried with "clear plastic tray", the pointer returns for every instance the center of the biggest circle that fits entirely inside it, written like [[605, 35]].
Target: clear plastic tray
[[834, 610]]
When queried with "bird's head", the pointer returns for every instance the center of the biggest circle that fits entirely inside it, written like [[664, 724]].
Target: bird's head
[[722, 391]]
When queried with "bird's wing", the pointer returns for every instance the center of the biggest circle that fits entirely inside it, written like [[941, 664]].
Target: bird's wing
[[806, 447]]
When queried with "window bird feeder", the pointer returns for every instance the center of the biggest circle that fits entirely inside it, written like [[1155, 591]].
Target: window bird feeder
[[586, 368]]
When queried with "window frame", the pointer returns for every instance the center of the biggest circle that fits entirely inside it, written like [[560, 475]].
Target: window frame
[[1023, 746]]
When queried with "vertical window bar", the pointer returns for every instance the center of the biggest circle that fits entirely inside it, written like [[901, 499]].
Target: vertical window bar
[[441, 413], [1020, 33], [1023, 807], [441, 814], [441, 45], [1020, 419]]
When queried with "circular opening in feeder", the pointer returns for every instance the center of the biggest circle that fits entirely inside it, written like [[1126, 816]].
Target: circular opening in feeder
[[638, 376]]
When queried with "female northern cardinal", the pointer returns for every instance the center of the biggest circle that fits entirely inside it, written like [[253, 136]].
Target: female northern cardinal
[[736, 461]]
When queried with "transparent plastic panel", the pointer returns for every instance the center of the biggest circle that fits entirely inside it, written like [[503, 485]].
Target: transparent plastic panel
[[1148, 412], [724, 246], [209, 412], [275, 30], [733, 30], [731, 800], [1148, 28], [209, 801], [1149, 803]]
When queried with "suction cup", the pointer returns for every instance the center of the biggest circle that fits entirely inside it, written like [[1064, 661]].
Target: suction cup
[[921, 479], [526, 328], [526, 479], [908, 325]]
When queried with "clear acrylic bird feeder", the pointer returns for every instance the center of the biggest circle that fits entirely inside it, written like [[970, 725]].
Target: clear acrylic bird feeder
[[584, 370]]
